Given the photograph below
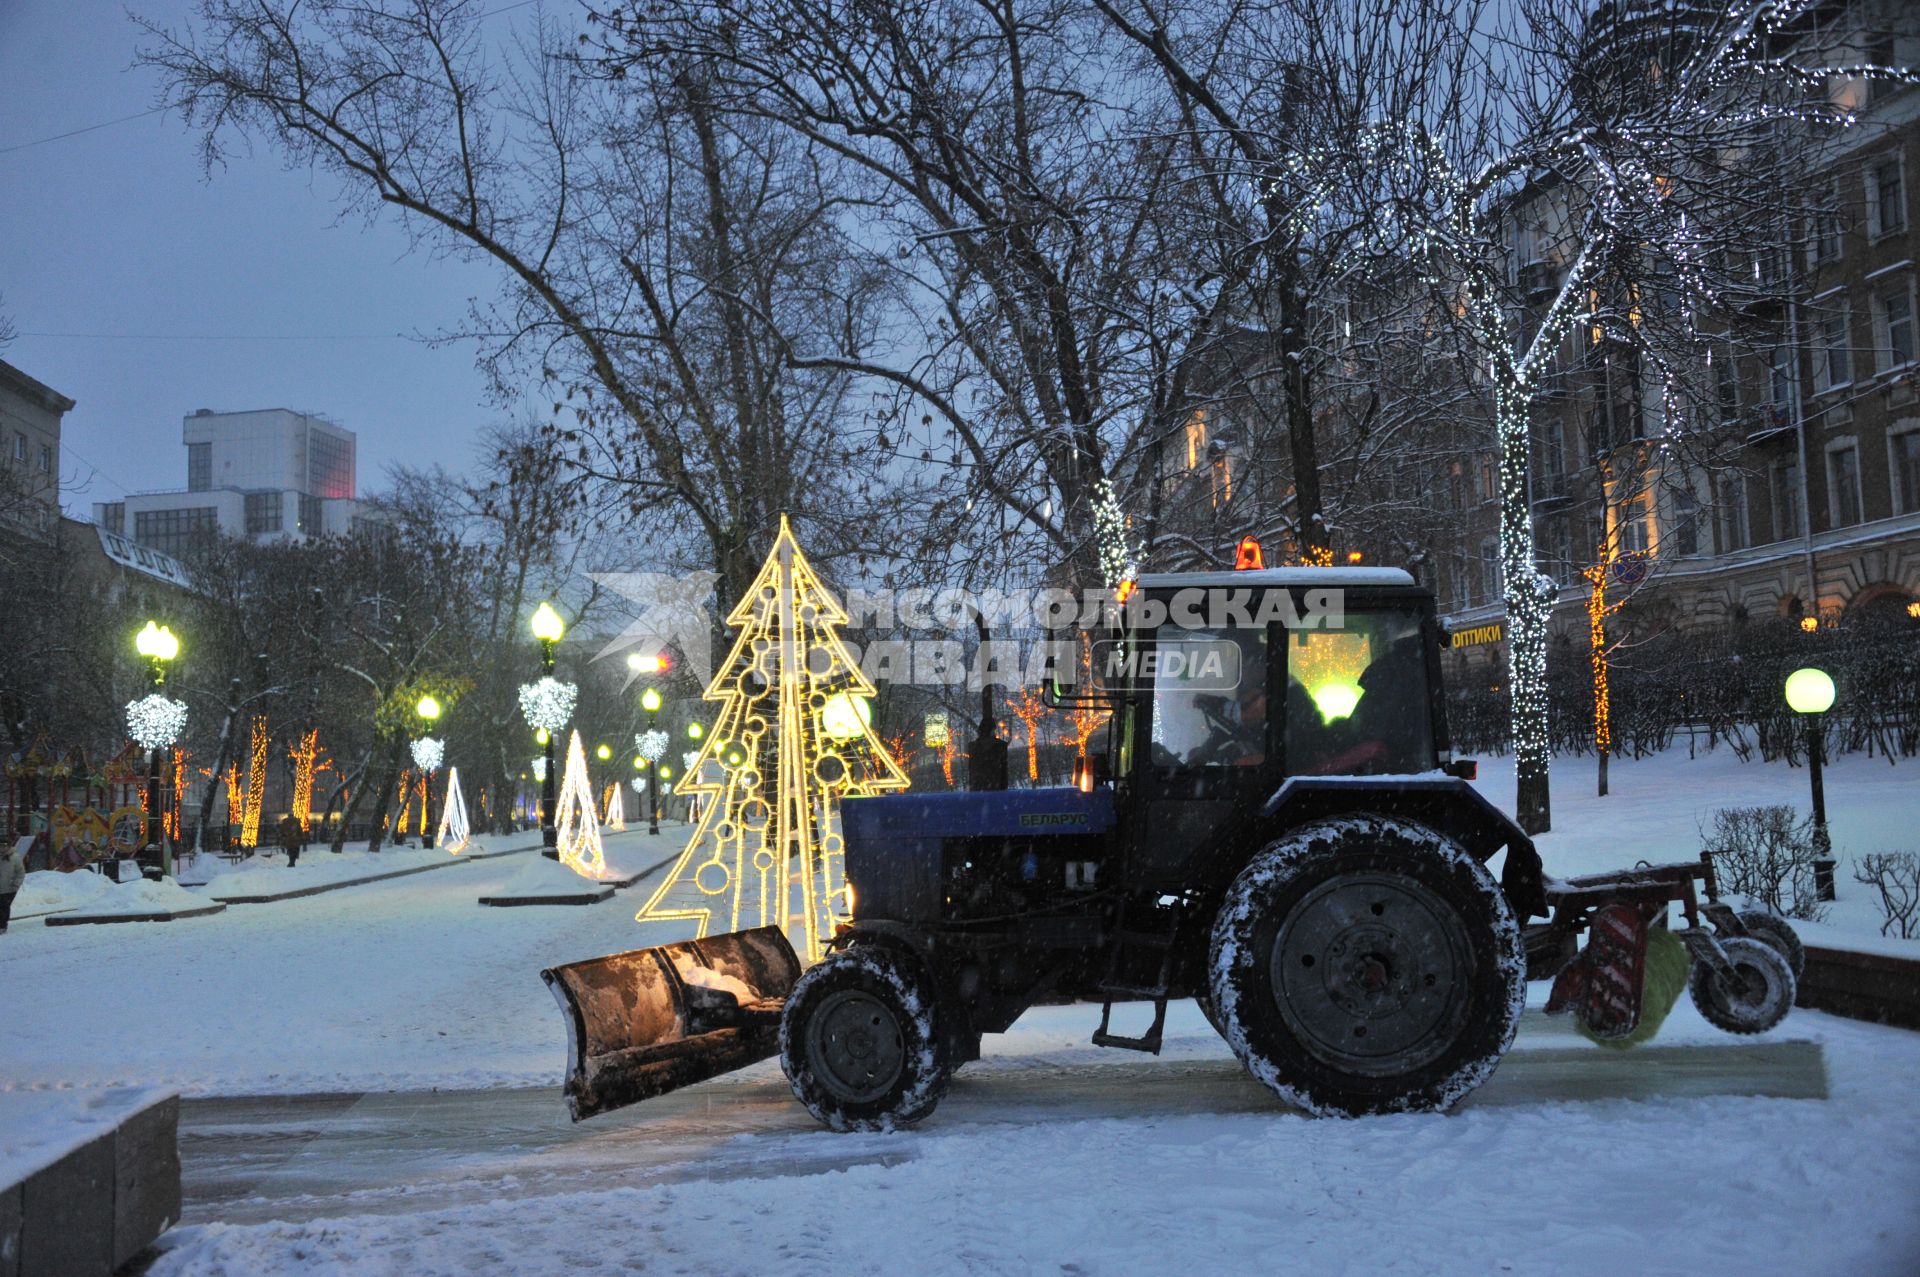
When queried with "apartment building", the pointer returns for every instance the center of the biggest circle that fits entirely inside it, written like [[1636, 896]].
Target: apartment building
[[265, 474], [30, 415]]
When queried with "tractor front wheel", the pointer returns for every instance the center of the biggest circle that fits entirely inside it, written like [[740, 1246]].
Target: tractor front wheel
[[1753, 996], [1367, 965], [858, 1041]]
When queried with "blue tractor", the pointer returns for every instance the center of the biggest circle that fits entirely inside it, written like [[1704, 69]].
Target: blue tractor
[[1276, 827]]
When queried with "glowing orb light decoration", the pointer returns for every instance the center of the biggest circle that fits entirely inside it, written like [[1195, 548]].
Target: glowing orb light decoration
[[429, 753], [547, 705], [156, 721], [767, 849], [1809, 691], [846, 716]]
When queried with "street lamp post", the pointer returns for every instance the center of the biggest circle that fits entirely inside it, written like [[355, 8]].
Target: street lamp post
[[650, 702], [428, 711], [1810, 694], [548, 628], [158, 644]]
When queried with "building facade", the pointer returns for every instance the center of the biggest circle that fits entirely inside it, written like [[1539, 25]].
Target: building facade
[[267, 474], [30, 415]]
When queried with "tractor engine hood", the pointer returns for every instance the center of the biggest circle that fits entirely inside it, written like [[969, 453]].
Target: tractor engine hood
[[894, 841]]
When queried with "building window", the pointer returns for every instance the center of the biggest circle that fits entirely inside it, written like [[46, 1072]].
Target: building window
[[46, 458], [1489, 477], [113, 517], [1824, 242], [1196, 439], [1906, 471], [329, 465], [1557, 541], [1734, 531], [1843, 484], [311, 521], [1490, 568], [1631, 527], [264, 512], [199, 467], [1886, 197], [1780, 384], [1832, 356], [175, 532], [1686, 522], [1786, 500], [1893, 322], [1726, 387], [20, 448]]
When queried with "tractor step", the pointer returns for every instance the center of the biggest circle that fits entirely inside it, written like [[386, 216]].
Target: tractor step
[[1148, 1041]]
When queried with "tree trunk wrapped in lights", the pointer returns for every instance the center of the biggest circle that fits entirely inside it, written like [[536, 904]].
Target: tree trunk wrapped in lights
[[256, 798], [791, 739]]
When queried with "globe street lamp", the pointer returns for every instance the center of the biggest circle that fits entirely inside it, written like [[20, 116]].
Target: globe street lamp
[[1810, 694], [650, 702], [427, 754], [158, 645], [548, 628]]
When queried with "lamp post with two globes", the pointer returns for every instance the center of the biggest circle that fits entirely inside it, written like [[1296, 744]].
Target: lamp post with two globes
[[158, 645]]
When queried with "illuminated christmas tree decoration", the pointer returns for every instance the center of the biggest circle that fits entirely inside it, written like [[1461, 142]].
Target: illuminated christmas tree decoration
[[767, 849], [256, 784], [616, 808], [576, 824], [455, 832]]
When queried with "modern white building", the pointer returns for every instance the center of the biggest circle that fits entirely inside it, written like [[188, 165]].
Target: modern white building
[[266, 474]]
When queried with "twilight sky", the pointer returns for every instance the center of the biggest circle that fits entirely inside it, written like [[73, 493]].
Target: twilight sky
[[239, 292]]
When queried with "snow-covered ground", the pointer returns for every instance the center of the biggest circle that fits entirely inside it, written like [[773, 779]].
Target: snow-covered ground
[[1659, 806], [1704, 1154]]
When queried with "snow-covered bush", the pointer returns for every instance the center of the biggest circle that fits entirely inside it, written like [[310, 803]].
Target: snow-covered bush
[[1895, 875], [1766, 854]]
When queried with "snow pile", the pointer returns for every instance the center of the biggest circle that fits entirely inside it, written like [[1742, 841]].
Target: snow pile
[[541, 878], [51, 891], [719, 981], [38, 1128], [122, 899], [260, 877]]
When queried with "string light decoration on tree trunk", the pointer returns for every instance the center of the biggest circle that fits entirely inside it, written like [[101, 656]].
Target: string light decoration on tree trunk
[[1598, 610], [256, 784], [1030, 709], [178, 757], [455, 832], [304, 756], [236, 800], [577, 825], [792, 738]]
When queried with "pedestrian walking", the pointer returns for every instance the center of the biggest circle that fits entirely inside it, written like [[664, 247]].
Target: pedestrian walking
[[292, 839], [13, 871]]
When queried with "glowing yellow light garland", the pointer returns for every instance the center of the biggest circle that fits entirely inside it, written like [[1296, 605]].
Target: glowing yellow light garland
[[304, 755], [256, 784], [785, 760]]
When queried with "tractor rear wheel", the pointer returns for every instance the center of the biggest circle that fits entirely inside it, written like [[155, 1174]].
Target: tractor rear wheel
[[1367, 965], [858, 1041], [1754, 996], [1779, 933]]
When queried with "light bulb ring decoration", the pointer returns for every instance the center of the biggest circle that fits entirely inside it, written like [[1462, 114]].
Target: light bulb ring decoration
[[429, 753], [156, 721], [547, 704]]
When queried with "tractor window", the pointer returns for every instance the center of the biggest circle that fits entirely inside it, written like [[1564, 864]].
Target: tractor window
[[1357, 698], [1209, 698]]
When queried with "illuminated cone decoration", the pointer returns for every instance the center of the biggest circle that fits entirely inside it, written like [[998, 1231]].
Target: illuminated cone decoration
[[616, 810], [455, 832], [577, 826], [791, 739]]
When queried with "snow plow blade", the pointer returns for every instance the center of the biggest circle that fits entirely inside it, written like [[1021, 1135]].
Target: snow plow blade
[[649, 1021]]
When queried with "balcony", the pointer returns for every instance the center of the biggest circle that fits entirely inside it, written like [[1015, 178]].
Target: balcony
[[1769, 421]]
